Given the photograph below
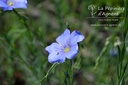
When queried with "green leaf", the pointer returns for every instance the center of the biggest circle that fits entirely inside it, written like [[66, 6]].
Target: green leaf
[[67, 74], [112, 81], [123, 52], [119, 54], [65, 82], [122, 81], [124, 70]]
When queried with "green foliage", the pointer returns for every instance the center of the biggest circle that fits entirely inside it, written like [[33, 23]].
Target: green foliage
[[24, 34]]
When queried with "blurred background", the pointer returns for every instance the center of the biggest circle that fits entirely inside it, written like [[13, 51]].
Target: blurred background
[[23, 60]]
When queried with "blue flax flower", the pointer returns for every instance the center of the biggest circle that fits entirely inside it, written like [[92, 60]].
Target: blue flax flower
[[66, 46], [10, 4]]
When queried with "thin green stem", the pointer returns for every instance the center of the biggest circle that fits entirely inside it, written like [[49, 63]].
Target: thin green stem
[[52, 67], [71, 73], [22, 19], [27, 24]]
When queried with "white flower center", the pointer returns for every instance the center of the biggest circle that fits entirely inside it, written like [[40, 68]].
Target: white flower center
[[67, 49], [10, 2]]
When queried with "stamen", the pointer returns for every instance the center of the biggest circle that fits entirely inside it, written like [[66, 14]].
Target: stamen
[[67, 49], [10, 2]]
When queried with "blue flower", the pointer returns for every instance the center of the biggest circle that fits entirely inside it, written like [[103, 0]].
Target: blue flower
[[65, 47], [113, 52], [10, 4]]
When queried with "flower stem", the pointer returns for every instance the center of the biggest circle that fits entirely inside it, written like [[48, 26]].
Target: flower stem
[[71, 73], [53, 66], [21, 18]]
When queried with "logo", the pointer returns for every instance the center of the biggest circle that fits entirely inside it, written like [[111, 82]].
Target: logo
[[106, 16], [92, 9], [105, 11]]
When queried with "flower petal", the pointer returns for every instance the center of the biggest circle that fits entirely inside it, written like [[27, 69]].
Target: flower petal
[[7, 8], [56, 57], [76, 37], [54, 47], [3, 4], [73, 51], [20, 5], [64, 37], [23, 1]]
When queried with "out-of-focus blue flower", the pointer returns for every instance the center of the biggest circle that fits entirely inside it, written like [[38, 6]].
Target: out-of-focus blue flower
[[10, 4], [66, 46], [113, 52]]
